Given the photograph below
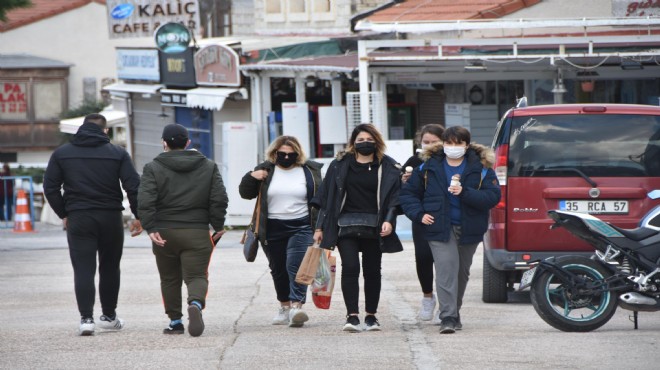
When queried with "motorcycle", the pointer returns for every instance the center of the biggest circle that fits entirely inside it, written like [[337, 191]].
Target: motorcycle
[[581, 294]]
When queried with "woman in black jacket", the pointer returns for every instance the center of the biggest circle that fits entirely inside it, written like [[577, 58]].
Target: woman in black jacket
[[288, 182], [426, 137], [361, 187]]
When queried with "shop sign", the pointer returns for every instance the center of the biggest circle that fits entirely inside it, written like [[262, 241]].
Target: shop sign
[[638, 8], [217, 65], [138, 64], [141, 18], [177, 69], [13, 100], [173, 99], [172, 38]]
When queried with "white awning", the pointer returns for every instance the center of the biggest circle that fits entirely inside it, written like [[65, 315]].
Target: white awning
[[211, 98], [133, 88], [113, 118]]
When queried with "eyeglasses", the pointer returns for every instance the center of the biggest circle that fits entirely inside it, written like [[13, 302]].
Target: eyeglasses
[[282, 155]]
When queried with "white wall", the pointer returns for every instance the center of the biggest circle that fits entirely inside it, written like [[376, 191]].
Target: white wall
[[79, 37]]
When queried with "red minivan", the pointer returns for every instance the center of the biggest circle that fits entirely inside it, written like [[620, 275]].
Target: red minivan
[[602, 159]]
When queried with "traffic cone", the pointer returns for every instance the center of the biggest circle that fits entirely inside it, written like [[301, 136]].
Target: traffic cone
[[22, 222]]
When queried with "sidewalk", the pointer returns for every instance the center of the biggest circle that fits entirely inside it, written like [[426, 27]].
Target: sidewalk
[[39, 321]]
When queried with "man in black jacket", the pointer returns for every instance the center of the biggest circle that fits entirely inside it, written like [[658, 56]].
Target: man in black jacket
[[89, 169]]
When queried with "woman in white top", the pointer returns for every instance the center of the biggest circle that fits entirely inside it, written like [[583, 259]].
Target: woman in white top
[[288, 181]]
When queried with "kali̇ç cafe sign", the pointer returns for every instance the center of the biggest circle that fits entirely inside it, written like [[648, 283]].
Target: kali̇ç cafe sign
[[141, 18], [217, 65]]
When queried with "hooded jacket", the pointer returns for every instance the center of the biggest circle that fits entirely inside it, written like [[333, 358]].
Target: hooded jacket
[[182, 189], [249, 189], [427, 192], [90, 168], [330, 197]]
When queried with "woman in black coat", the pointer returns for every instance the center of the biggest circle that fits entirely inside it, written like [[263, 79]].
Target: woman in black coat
[[361, 184]]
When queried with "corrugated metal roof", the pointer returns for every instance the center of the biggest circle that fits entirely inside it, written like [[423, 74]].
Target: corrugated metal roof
[[442, 10], [22, 61], [41, 9]]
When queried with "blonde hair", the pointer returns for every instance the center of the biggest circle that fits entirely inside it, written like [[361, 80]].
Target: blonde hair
[[371, 130], [271, 152]]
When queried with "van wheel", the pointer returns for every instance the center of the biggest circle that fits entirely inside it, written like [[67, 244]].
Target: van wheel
[[494, 284]]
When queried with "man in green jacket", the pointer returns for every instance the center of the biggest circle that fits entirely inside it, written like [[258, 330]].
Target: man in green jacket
[[181, 193]]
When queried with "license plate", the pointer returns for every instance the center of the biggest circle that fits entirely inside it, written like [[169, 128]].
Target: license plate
[[527, 278], [595, 206]]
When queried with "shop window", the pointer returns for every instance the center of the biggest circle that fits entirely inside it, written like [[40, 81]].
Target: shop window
[[47, 100], [13, 101]]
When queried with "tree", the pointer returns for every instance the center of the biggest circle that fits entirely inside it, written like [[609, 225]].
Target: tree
[[7, 5]]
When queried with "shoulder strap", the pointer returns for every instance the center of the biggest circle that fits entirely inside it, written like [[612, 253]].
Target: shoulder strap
[[257, 210]]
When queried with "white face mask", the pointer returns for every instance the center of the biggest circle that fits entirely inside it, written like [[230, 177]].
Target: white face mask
[[454, 152]]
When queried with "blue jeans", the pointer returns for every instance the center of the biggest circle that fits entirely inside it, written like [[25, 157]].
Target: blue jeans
[[287, 243]]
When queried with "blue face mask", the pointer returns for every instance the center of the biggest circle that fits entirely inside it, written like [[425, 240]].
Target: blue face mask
[[454, 152]]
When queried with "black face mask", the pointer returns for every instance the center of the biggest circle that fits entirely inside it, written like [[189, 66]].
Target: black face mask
[[286, 160], [365, 148]]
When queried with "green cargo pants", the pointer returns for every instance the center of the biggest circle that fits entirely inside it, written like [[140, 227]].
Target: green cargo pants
[[184, 258]]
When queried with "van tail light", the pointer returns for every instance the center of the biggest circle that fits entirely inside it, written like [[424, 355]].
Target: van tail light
[[501, 161]]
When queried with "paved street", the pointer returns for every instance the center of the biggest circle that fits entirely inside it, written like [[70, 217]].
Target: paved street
[[39, 321]]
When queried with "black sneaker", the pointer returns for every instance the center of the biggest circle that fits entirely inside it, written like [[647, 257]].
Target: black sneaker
[[195, 321], [458, 325], [448, 325], [352, 324], [371, 323], [174, 329]]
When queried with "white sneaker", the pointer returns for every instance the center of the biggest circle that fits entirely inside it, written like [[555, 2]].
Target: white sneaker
[[282, 317], [297, 317], [109, 324], [428, 306], [87, 326]]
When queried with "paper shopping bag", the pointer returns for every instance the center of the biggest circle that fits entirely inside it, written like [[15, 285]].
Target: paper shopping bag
[[309, 265], [322, 298]]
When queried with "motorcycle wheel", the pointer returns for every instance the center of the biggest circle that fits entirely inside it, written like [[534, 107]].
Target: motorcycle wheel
[[568, 310]]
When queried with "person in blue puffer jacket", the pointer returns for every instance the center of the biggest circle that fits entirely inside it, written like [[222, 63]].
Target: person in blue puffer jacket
[[453, 215]]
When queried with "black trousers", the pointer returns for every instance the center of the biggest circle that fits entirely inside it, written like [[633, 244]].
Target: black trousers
[[349, 250], [92, 232], [423, 260]]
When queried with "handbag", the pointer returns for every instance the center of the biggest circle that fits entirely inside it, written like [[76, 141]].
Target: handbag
[[250, 239], [310, 263], [358, 225]]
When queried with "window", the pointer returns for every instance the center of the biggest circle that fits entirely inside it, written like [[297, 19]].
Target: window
[[47, 100], [596, 145]]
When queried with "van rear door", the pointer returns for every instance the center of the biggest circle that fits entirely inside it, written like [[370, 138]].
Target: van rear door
[[604, 163]]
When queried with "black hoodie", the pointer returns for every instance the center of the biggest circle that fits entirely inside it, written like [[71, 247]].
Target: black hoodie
[[90, 169]]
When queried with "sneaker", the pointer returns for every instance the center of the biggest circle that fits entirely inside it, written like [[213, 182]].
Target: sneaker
[[371, 323], [352, 324], [458, 325], [195, 321], [448, 325], [297, 317], [87, 326], [174, 329], [111, 324], [427, 308], [282, 317]]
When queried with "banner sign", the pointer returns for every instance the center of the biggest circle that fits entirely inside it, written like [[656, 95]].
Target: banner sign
[[638, 8], [177, 70], [138, 64], [172, 38], [217, 65], [141, 18], [13, 100]]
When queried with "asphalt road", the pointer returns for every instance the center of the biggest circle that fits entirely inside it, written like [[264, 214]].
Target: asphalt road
[[39, 321]]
